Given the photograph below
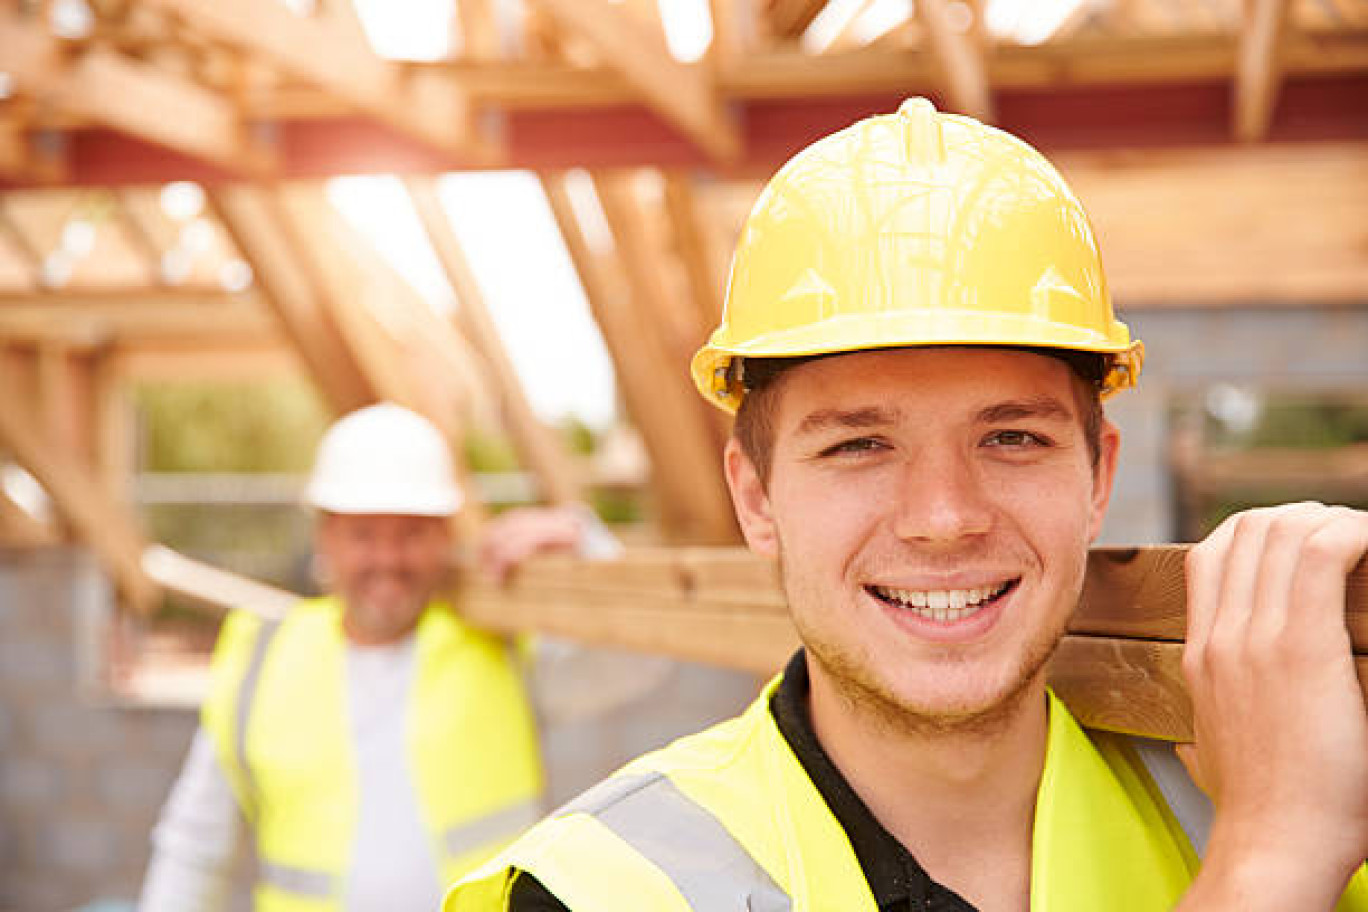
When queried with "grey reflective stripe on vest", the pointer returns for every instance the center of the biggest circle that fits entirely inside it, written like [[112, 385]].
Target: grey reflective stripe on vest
[[1189, 804], [501, 825], [246, 697], [706, 864], [299, 881]]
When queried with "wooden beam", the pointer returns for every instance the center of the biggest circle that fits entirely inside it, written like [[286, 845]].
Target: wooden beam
[[959, 61], [20, 529], [148, 250], [213, 586], [1319, 256], [134, 97], [346, 294], [538, 449], [690, 234], [790, 18], [479, 29], [356, 285], [651, 368], [427, 106], [1258, 72], [86, 321], [25, 160], [111, 533], [219, 359], [1118, 667], [683, 94], [20, 243], [254, 220]]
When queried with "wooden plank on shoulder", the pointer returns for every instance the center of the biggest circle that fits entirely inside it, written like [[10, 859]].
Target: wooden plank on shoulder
[[1118, 668]]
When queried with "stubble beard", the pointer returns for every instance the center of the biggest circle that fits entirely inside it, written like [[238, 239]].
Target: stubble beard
[[865, 694]]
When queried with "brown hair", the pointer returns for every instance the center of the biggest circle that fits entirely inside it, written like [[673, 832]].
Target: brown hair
[[762, 379]]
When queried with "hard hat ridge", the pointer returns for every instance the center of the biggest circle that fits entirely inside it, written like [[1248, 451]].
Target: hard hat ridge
[[384, 459], [914, 228]]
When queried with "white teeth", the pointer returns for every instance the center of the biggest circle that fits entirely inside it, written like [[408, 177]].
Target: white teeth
[[942, 604]]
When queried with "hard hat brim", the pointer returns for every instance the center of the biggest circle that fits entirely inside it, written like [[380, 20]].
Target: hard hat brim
[[716, 380]]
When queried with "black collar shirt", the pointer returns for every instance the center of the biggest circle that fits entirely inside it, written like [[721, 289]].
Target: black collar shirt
[[895, 879]]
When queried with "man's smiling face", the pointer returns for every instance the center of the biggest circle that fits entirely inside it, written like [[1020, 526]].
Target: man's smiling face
[[931, 510]]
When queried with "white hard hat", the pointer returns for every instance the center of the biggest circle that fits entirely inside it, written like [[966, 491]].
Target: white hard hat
[[384, 459]]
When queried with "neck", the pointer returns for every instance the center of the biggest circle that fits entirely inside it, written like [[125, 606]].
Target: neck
[[961, 800]]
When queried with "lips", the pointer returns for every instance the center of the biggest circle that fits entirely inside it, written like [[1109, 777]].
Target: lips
[[943, 605]]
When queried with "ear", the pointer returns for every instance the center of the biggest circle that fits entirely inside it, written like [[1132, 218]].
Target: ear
[[1109, 447], [751, 501]]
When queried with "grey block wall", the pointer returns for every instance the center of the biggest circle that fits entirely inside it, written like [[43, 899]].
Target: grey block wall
[[80, 782], [1268, 348]]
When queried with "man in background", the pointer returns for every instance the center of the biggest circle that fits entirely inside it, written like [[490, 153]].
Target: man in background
[[375, 745]]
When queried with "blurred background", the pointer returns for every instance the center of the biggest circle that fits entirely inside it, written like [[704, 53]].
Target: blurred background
[[223, 224]]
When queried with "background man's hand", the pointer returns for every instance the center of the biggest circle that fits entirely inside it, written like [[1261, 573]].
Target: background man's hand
[[516, 535], [1282, 730]]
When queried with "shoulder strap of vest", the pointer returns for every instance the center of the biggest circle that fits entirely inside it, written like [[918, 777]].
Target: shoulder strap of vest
[[1188, 803], [247, 690], [705, 863]]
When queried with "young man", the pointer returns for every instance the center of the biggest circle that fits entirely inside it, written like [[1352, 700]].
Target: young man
[[918, 337], [377, 746]]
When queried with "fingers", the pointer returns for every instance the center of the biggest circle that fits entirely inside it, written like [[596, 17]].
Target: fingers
[[517, 535], [1272, 679]]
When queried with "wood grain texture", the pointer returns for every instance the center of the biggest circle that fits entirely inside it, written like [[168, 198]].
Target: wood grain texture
[[1118, 668]]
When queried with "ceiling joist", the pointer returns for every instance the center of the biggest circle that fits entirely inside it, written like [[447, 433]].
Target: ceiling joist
[[683, 94], [1258, 72], [959, 61], [330, 51], [135, 98]]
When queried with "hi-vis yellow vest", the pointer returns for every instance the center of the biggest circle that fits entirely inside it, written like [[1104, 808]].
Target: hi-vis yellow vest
[[278, 718], [728, 820]]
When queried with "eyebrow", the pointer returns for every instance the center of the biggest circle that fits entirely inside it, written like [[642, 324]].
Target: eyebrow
[[1039, 407], [847, 419]]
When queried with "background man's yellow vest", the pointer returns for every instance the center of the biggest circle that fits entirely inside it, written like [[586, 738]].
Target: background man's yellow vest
[[728, 819], [278, 717]]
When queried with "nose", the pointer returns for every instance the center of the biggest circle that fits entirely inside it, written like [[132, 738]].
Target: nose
[[940, 499]]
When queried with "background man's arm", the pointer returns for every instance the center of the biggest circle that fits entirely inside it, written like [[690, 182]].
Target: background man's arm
[[195, 840]]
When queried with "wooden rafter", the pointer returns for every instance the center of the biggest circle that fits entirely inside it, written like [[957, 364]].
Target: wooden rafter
[[683, 94], [1258, 69], [355, 285], [691, 243], [539, 450], [790, 18], [645, 329], [479, 29], [148, 250], [133, 97], [25, 161], [110, 532], [330, 52], [790, 73], [18, 527], [345, 294], [80, 320], [253, 219], [655, 399], [959, 61], [1118, 668], [20, 242]]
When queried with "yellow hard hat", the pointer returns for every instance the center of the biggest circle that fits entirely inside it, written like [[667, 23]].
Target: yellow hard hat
[[914, 228]]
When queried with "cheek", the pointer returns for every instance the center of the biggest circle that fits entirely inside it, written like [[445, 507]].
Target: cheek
[[826, 517]]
